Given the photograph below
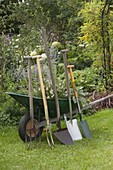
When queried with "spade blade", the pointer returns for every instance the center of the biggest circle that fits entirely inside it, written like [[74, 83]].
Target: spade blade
[[85, 129], [63, 136]]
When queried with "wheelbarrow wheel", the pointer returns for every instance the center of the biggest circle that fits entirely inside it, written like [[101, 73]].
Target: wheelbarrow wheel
[[23, 128]]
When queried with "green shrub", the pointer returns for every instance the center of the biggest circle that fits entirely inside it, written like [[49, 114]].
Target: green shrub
[[89, 80], [10, 111]]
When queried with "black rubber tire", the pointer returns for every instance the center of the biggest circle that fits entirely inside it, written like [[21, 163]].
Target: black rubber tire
[[22, 128]]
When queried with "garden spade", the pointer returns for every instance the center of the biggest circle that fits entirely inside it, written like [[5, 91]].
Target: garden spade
[[61, 134], [48, 127], [72, 125], [83, 123]]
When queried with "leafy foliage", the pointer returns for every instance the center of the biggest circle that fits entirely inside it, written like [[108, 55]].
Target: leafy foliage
[[77, 25], [97, 35], [10, 110]]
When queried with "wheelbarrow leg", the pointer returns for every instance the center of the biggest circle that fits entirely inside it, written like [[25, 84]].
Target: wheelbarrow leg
[[40, 141], [35, 137], [26, 142]]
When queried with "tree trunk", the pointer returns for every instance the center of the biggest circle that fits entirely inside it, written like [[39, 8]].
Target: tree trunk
[[104, 44]]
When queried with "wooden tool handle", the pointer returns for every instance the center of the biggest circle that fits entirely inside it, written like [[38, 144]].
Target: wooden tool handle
[[30, 90], [67, 80], [43, 92], [36, 56], [72, 79], [52, 76], [64, 51], [28, 57]]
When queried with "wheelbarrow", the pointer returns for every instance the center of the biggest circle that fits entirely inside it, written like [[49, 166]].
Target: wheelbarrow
[[39, 116]]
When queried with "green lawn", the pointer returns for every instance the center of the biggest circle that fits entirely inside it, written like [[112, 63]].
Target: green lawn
[[87, 154]]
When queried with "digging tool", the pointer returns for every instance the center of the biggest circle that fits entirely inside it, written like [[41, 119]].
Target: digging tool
[[61, 134], [83, 123], [72, 123], [48, 127], [32, 129]]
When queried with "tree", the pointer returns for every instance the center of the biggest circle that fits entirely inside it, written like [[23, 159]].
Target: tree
[[57, 17], [8, 25], [97, 33], [106, 39]]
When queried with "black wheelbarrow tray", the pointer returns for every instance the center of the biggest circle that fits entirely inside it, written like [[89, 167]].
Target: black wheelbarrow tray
[[39, 119]]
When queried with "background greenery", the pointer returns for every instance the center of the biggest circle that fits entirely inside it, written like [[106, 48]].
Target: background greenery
[[84, 27]]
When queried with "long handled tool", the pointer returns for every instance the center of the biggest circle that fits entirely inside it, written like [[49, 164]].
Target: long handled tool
[[61, 134], [48, 127], [72, 123], [83, 123], [32, 128]]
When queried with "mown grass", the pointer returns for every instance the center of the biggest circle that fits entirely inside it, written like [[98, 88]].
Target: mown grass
[[87, 154]]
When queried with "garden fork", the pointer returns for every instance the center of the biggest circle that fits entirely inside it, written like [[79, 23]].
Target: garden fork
[[48, 127]]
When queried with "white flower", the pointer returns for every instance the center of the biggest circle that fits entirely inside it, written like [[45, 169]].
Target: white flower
[[44, 56], [33, 53], [16, 46], [17, 40]]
